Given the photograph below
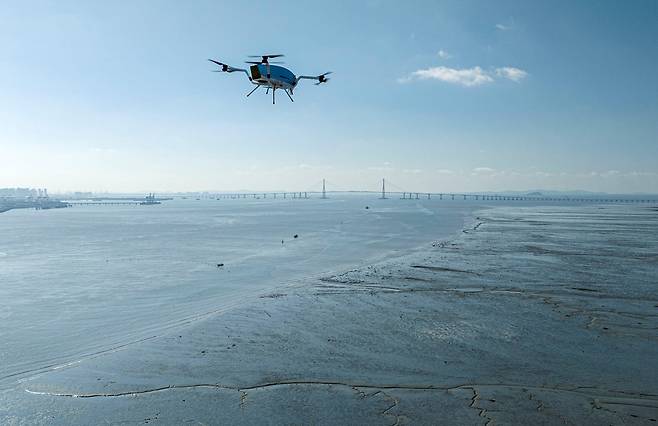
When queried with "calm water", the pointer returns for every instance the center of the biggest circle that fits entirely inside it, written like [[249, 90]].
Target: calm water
[[74, 282]]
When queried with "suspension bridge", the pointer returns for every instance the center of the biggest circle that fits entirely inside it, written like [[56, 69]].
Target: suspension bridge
[[385, 192]]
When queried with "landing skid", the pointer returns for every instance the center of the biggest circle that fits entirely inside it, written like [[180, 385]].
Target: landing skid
[[273, 93], [255, 88]]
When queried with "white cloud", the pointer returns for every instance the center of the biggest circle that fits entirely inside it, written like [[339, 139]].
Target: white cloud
[[503, 27], [483, 170], [444, 55], [466, 76], [511, 73], [445, 171]]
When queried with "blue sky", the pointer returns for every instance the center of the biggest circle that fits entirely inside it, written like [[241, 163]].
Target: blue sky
[[434, 96]]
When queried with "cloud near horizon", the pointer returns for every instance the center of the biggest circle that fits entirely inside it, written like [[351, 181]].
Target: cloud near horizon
[[468, 77]]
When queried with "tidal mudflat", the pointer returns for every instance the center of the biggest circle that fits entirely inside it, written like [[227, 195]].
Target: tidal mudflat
[[534, 315], [82, 281]]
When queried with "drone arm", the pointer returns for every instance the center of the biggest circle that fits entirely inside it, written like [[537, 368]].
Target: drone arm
[[306, 77], [320, 78], [230, 69]]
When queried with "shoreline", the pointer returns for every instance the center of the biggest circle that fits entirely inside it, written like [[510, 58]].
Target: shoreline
[[469, 331], [37, 205]]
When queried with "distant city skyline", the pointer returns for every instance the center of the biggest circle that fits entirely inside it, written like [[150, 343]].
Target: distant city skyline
[[433, 96]]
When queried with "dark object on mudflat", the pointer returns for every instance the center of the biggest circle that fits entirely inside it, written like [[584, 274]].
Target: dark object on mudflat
[[367, 207], [295, 236], [219, 265]]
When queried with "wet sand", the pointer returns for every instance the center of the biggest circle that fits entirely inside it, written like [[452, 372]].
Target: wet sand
[[530, 316]]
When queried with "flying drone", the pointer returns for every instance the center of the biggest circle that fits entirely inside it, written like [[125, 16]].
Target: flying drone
[[262, 73]]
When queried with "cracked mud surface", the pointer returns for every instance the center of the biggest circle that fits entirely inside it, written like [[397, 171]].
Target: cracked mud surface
[[532, 316]]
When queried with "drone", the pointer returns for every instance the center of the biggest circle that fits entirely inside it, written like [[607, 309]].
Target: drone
[[261, 73]]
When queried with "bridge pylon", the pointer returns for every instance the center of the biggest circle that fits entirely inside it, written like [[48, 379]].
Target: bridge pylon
[[383, 197]]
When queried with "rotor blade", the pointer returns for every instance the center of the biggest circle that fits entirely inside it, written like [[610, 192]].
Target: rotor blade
[[259, 62], [216, 62], [265, 56], [327, 73]]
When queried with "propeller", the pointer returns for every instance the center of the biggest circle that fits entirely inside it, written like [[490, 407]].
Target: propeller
[[224, 66], [258, 63], [265, 58], [322, 79]]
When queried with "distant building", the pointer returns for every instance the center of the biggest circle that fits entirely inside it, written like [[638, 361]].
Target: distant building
[[23, 193], [18, 193]]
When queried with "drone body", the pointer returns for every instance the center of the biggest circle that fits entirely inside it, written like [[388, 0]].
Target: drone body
[[270, 76]]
